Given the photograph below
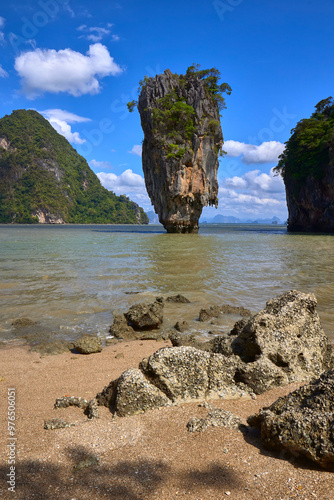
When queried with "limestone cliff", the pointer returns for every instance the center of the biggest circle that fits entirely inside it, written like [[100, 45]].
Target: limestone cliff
[[307, 167], [182, 140]]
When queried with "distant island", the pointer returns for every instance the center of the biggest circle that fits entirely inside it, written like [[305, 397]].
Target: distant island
[[44, 180], [224, 219]]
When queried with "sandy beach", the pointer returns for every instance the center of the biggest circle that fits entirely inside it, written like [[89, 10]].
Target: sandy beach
[[146, 456]]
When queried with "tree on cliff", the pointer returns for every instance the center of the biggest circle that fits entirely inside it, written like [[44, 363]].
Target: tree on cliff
[[308, 150]]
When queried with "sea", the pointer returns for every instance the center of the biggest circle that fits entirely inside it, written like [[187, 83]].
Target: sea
[[70, 279]]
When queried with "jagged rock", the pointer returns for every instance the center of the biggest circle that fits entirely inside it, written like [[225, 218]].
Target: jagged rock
[[120, 328], [107, 397], [302, 422], [209, 313], [215, 418], [146, 316], [178, 299], [215, 311], [88, 344], [56, 423], [192, 340], [181, 326], [180, 154], [67, 401], [185, 373], [135, 394], [283, 343], [92, 410]]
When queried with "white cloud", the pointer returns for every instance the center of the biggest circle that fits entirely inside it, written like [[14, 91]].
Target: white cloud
[[60, 120], [129, 183], [105, 165], [136, 150], [267, 152], [3, 73], [65, 70], [254, 193], [96, 33]]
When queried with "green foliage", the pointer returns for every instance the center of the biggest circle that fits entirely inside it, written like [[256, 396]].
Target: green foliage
[[41, 170], [211, 79], [174, 151], [307, 152], [131, 106], [174, 117]]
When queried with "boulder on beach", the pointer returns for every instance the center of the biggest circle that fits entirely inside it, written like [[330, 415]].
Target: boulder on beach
[[146, 316], [302, 422], [120, 328], [170, 376], [284, 343], [88, 344]]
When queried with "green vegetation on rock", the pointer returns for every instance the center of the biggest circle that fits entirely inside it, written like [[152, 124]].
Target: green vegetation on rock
[[40, 172], [309, 151], [174, 119]]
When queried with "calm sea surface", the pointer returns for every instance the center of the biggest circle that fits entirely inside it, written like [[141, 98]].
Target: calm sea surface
[[69, 279]]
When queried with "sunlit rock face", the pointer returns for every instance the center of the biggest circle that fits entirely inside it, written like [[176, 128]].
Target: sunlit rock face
[[180, 148]]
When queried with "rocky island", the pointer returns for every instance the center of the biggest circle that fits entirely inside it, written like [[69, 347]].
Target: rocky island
[[307, 168], [44, 180], [182, 140]]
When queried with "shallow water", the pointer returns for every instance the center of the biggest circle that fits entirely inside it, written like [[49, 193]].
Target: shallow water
[[70, 278]]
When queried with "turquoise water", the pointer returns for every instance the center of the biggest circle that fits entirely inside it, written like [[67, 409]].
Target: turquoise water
[[70, 278]]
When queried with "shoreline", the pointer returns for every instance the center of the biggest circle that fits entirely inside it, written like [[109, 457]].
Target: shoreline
[[150, 455]]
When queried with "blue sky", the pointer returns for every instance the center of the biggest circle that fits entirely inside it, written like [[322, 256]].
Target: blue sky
[[79, 63]]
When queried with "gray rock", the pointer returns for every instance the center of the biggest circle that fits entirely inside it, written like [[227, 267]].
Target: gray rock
[[302, 422], [88, 344], [283, 343], [92, 410], [181, 326], [186, 373], [67, 401], [120, 328], [215, 311], [135, 394], [146, 316], [209, 313], [215, 418], [179, 299], [56, 423]]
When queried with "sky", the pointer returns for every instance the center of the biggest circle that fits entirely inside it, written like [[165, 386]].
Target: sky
[[78, 63]]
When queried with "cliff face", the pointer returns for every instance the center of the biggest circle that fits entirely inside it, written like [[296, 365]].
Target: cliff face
[[311, 208], [307, 168], [44, 180], [182, 139]]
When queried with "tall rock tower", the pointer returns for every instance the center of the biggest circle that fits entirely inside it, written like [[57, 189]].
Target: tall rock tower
[[182, 140]]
